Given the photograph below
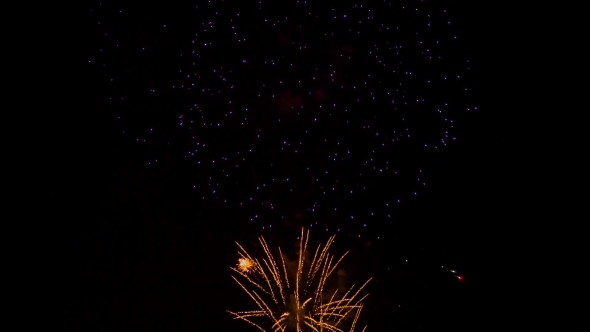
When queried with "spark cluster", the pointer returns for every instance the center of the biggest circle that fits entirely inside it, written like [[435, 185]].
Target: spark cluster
[[335, 109], [296, 300], [245, 265]]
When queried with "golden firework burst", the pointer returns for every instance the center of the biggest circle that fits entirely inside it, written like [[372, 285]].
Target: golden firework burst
[[296, 301], [245, 265]]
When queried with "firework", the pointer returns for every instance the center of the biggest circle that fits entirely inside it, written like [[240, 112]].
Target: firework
[[245, 265], [296, 301]]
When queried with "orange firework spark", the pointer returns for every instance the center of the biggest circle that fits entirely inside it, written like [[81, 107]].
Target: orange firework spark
[[296, 301], [245, 265]]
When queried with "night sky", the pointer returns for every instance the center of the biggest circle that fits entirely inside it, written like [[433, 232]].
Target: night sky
[[211, 122]]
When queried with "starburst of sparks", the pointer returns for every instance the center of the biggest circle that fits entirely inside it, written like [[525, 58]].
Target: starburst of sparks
[[296, 301], [245, 265]]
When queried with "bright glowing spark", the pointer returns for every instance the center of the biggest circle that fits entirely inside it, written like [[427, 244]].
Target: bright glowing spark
[[295, 299], [245, 265]]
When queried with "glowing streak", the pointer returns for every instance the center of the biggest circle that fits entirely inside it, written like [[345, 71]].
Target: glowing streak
[[247, 320], [250, 280], [313, 262], [356, 317], [284, 268], [275, 270]]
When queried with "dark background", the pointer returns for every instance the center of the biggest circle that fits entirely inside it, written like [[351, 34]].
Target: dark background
[[119, 252]]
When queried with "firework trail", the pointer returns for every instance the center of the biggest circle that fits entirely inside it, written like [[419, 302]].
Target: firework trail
[[296, 301]]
